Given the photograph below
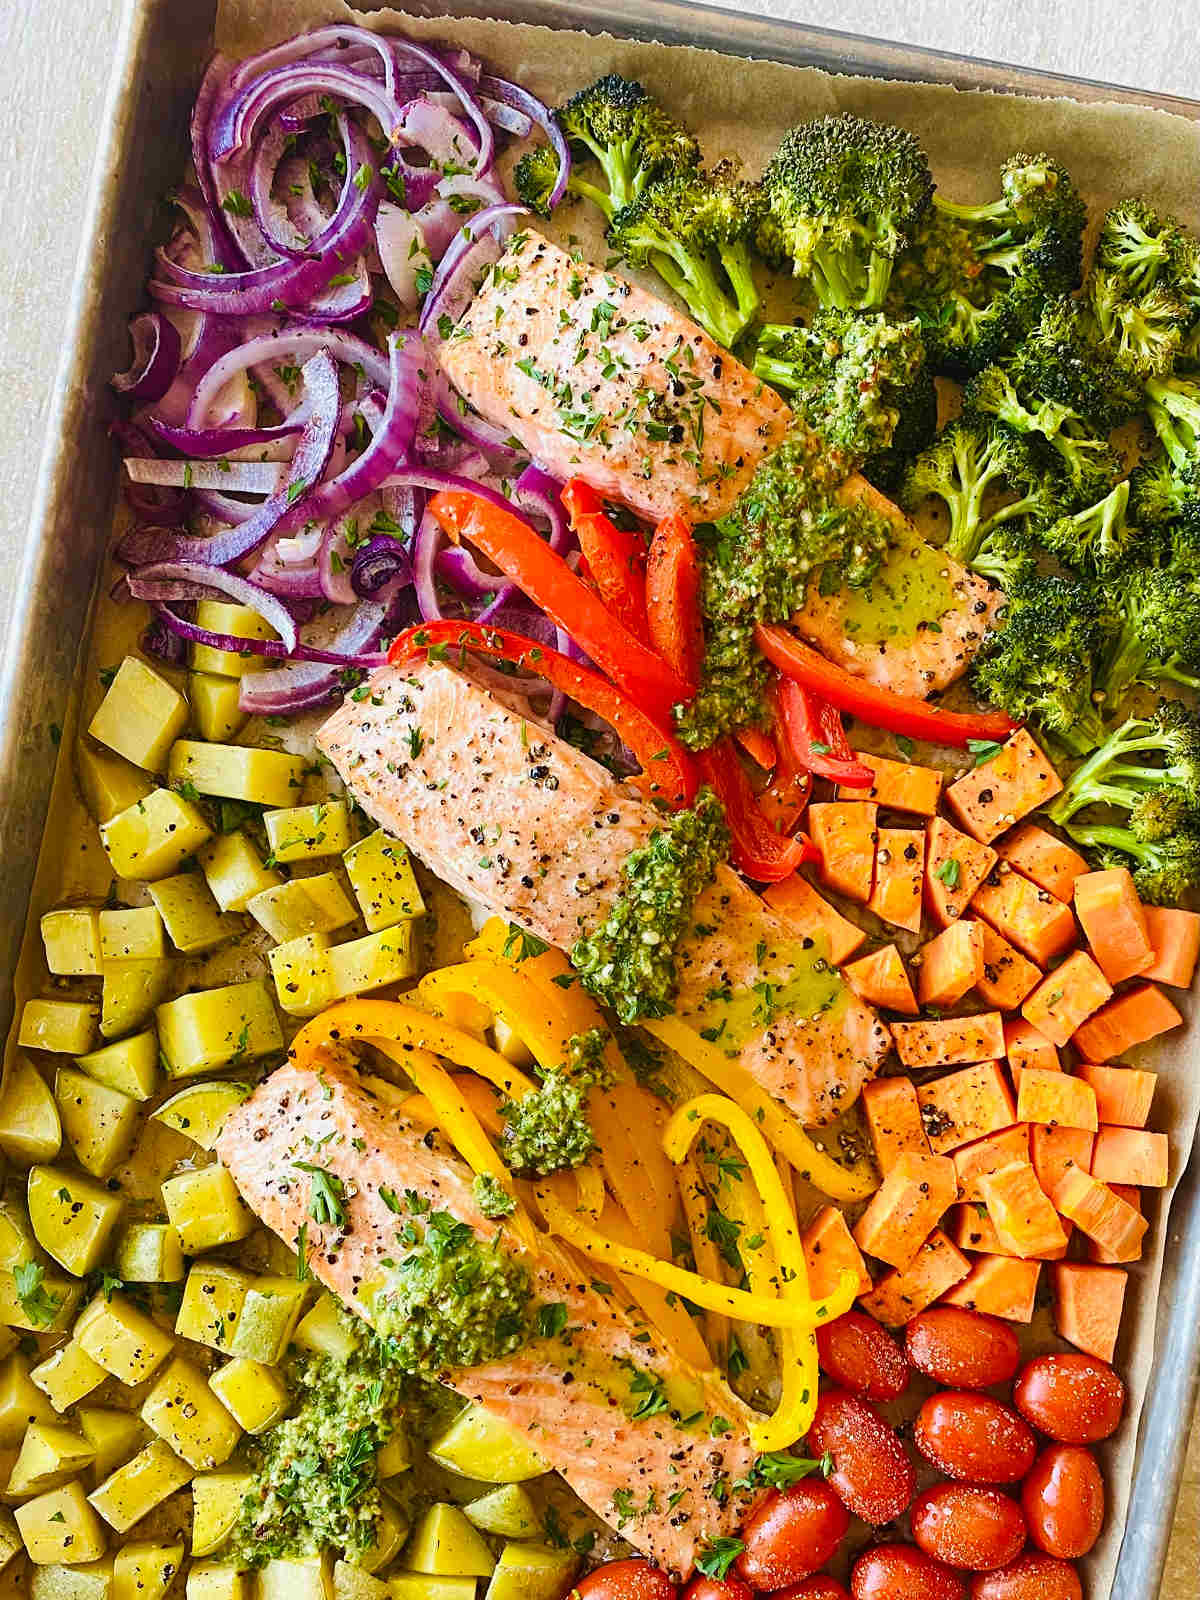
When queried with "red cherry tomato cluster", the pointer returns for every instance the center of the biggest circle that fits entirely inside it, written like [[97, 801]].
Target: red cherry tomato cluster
[[972, 1539]]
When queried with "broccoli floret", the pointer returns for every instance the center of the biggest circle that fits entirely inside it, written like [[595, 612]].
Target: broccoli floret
[[1161, 493], [1138, 245], [1008, 555], [695, 230], [1038, 666], [844, 196], [917, 425], [1155, 620], [1097, 540], [851, 375], [1159, 753], [629, 135], [1174, 407], [1034, 230], [1089, 463], [1165, 869], [1144, 333], [970, 457], [1064, 359]]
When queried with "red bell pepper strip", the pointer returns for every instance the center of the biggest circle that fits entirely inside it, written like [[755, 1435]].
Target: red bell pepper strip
[[906, 714], [616, 557], [757, 849], [811, 731], [546, 578], [785, 798], [673, 599], [759, 746], [668, 772]]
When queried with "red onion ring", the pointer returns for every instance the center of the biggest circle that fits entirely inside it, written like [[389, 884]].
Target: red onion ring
[[156, 349], [479, 243], [314, 677], [294, 343], [511, 94], [188, 580]]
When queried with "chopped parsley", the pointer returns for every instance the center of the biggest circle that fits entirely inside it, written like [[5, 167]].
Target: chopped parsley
[[326, 1199], [38, 1303]]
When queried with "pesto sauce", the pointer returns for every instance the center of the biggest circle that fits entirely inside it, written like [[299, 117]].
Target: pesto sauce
[[795, 980], [548, 1131], [911, 590], [628, 963]]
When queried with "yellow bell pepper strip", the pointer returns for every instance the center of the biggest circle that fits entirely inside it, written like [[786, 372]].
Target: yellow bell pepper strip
[[780, 1128], [693, 1196], [536, 1020], [663, 1310], [780, 1261]]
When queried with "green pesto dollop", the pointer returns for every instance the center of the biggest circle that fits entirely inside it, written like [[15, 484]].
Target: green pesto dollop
[[492, 1198], [787, 527], [548, 1131], [452, 1299], [315, 1484], [628, 963]]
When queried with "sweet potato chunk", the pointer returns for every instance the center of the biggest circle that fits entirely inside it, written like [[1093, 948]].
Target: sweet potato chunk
[[1099, 1213], [1018, 779], [1026, 1047], [1043, 859], [998, 1286], [1006, 976], [1175, 940], [1087, 1306], [1040, 926], [965, 1106], [951, 964], [1067, 997], [1057, 1099], [1128, 1020], [1057, 1151], [955, 866], [1123, 1094], [1114, 923], [1021, 1211], [1105, 1258], [880, 980], [893, 1115], [950, 1041], [1131, 1155], [989, 1155], [898, 1296], [899, 785], [843, 831], [798, 903], [906, 1208], [899, 874], [829, 1249], [972, 1228]]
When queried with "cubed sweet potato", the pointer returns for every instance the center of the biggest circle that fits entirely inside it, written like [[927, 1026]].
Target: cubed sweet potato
[[989, 1155], [1056, 1098], [1088, 1302], [1131, 1155], [1056, 1151], [965, 1106], [811, 915], [1018, 779], [1006, 976], [829, 1249], [899, 1296], [898, 785], [950, 964], [1026, 1047], [899, 874], [1021, 1211], [1123, 1094], [906, 1208], [893, 1115], [1175, 940], [1067, 997], [955, 866], [1132, 1196], [1099, 1213], [998, 1286], [1040, 926], [843, 832], [950, 1041], [1043, 859], [880, 980], [1129, 1019], [971, 1227], [1114, 923]]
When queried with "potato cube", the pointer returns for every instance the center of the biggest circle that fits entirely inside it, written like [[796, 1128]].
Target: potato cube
[[317, 904], [445, 1544], [49, 1455], [306, 833], [373, 961], [186, 1414], [191, 916], [114, 1435], [128, 1065], [141, 716], [254, 1395], [199, 1110], [237, 622], [205, 1209], [391, 1531], [395, 1457], [145, 1570], [99, 1122], [149, 1252], [298, 1578], [325, 1330], [531, 1572], [67, 1027], [213, 1297], [216, 1506], [71, 938], [418, 1586], [352, 1583], [211, 1580], [233, 871], [154, 837], [61, 1526], [122, 1339], [216, 707], [68, 1375], [20, 1402], [92, 1581], [131, 935], [217, 1028], [73, 1219], [236, 772], [270, 1312], [37, 1300], [131, 991], [17, 1244], [302, 973], [508, 1511], [383, 881], [131, 1491], [10, 1538], [110, 784], [30, 1129]]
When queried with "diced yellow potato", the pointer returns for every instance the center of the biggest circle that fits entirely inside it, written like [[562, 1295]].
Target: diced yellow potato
[[10, 1539], [37, 1300], [303, 979], [9, 1341], [186, 1414], [149, 1252], [114, 1435], [210, 1580], [17, 1244], [213, 1297], [299, 1578], [130, 992], [73, 1218], [61, 1526], [326, 1331], [128, 1065], [254, 1394], [383, 881], [49, 1455], [99, 1122], [141, 716], [216, 1506], [217, 1028], [420, 1586], [199, 1111], [233, 871], [507, 1511], [110, 784], [216, 706], [154, 836], [531, 1572], [131, 935], [393, 1457], [238, 622], [206, 1209], [236, 772], [67, 1027], [317, 904], [270, 1312], [93, 1581], [20, 1402], [67, 1375], [352, 1583], [30, 1129], [124, 1341], [391, 1530], [145, 1570], [71, 937], [306, 833], [445, 1544], [377, 959], [192, 918], [480, 1445], [127, 1494]]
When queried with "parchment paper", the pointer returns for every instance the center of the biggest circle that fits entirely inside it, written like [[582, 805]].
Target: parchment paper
[[740, 108]]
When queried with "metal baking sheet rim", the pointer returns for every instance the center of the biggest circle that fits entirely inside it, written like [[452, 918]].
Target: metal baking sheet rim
[[159, 57]]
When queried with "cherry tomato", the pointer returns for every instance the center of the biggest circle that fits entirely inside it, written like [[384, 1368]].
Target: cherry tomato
[[626, 1580], [871, 1471], [965, 1526], [1063, 1499], [899, 1572], [718, 1589], [1031, 1577], [860, 1355], [821, 1587], [962, 1349], [1074, 1398], [793, 1532], [974, 1437]]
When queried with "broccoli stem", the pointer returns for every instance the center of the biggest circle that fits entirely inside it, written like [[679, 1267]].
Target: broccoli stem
[[695, 282], [1090, 783], [735, 258]]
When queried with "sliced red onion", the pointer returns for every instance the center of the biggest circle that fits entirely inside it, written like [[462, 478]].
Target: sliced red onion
[[334, 562], [441, 218], [480, 242], [507, 118], [210, 442], [402, 251], [536, 491], [346, 641], [225, 251], [222, 507], [461, 570], [294, 344], [158, 641], [291, 583], [511, 94], [242, 477], [168, 581], [476, 431], [156, 507], [343, 302], [380, 562], [424, 563], [274, 217], [439, 133], [333, 42], [156, 349]]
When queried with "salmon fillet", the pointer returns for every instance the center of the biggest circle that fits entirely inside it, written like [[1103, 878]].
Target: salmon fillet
[[652, 1478], [512, 816], [594, 376]]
